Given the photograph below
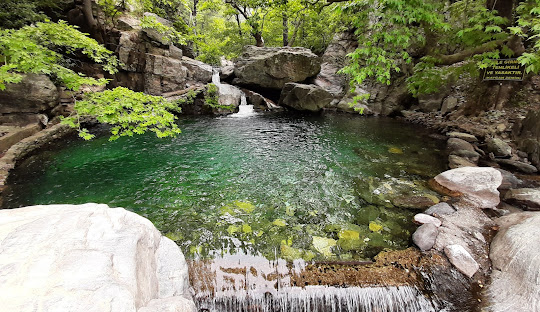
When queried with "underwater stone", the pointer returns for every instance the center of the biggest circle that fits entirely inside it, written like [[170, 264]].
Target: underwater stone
[[461, 259], [425, 236]]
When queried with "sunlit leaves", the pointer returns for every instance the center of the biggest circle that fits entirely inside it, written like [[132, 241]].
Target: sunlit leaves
[[34, 49], [128, 113]]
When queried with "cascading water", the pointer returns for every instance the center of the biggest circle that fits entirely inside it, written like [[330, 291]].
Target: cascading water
[[248, 283], [244, 110]]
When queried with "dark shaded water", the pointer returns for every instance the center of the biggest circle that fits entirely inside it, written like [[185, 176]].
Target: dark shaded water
[[266, 184]]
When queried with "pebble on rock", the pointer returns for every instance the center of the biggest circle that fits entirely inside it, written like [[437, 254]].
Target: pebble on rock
[[425, 236], [422, 218], [461, 259]]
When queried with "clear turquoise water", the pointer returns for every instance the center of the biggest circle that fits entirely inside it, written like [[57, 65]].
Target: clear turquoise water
[[274, 185]]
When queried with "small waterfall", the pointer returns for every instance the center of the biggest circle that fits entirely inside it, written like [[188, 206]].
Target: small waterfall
[[249, 283], [244, 110]]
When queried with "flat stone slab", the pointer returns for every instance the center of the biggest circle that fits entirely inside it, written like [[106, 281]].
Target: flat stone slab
[[463, 136], [525, 198], [461, 259]]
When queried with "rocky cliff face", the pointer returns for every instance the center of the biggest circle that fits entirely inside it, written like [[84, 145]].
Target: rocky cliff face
[[88, 258], [152, 64]]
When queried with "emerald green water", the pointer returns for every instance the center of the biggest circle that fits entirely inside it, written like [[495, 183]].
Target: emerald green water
[[274, 185]]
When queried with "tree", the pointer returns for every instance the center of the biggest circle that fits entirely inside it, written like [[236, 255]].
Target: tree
[[425, 36], [46, 48], [254, 12]]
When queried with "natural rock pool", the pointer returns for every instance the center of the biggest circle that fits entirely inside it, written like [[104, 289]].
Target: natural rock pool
[[311, 187]]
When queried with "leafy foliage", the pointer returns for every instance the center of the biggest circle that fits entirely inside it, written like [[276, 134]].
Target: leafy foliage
[[18, 13], [45, 49], [170, 34], [419, 36], [127, 111]]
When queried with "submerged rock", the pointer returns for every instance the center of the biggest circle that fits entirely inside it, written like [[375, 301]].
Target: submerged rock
[[461, 259], [272, 68], [516, 269], [88, 258], [478, 185]]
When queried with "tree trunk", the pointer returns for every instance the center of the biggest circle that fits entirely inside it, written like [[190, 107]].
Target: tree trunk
[[504, 8], [239, 25], [285, 30], [91, 21], [259, 41]]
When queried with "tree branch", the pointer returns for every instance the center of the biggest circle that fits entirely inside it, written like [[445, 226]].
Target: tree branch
[[460, 56]]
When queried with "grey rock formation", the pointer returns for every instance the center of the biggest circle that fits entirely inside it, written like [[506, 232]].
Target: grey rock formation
[[464, 136], [272, 68], [525, 198], [449, 104], [455, 161], [155, 35], [516, 269], [440, 209], [23, 103], [88, 258], [455, 144], [509, 181], [527, 134], [466, 227], [304, 97], [478, 185], [461, 259], [333, 59], [517, 165], [153, 65], [425, 236], [498, 147]]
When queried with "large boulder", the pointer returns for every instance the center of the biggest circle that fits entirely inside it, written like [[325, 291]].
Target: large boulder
[[88, 258], [34, 94], [272, 68], [477, 185], [516, 269], [304, 97]]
